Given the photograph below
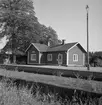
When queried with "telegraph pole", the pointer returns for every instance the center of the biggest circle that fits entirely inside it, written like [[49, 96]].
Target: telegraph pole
[[88, 66]]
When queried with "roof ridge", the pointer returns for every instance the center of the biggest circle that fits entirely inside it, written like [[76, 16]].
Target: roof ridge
[[39, 44], [62, 44], [55, 45], [59, 47]]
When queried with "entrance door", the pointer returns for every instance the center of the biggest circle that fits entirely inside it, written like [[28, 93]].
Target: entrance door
[[60, 59]]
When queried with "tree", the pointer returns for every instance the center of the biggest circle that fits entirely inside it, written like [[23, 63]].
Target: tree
[[48, 34], [54, 36], [21, 26], [95, 59], [20, 23]]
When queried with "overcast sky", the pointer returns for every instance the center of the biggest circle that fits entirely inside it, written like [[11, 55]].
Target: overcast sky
[[68, 19]]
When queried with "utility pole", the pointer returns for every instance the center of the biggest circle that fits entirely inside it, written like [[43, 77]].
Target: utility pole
[[88, 66]]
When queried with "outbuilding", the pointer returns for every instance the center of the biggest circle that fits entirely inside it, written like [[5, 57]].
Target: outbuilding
[[69, 54]]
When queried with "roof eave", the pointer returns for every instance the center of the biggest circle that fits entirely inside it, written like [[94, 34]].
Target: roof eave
[[30, 46], [76, 45], [72, 46]]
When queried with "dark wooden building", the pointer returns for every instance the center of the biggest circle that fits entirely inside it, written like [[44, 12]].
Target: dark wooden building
[[70, 54]]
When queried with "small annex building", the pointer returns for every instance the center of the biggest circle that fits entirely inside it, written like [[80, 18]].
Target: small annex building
[[70, 54]]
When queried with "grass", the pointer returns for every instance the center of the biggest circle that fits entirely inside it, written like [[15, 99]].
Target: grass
[[10, 94], [71, 83], [79, 68]]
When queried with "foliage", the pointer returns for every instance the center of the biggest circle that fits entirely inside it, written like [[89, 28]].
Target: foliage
[[96, 59], [47, 34], [20, 21], [21, 26], [10, 94]]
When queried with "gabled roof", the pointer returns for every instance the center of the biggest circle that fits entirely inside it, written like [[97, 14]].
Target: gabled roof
[[39, 47], [65, 47]]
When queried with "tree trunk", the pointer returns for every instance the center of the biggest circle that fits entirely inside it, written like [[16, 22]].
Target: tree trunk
[[14, 47], [14, 58]]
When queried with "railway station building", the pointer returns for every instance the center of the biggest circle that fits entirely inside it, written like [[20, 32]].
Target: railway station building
[[69, 54]]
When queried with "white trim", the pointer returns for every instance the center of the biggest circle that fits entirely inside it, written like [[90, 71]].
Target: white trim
[[36, 47], [73, 46], [40, 54], [76, 57], [68, 53], [83, 59], [67, 58], [39, 58], [31, 57], [30, 46]]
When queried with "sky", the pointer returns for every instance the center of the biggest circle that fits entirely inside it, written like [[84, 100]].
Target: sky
[[68, 19]]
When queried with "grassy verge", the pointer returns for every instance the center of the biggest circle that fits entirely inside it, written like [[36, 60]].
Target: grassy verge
[[71, 83], [10, 94]]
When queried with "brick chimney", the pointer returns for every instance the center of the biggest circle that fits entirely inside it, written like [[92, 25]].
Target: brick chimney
[[49, 42], [63, 41]]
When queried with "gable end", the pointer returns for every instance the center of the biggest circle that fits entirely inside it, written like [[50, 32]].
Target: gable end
[[79, 46], [30, 46]]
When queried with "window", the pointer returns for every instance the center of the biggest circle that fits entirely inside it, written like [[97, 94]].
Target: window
[[33, 57], [60, 57], [49, 57], [75, 57]]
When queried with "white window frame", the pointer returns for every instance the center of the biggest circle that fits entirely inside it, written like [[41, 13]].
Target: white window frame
[[75, 57], [49, 57], [33, 58]]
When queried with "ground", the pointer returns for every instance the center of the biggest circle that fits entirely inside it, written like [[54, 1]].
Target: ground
[[70, 83]]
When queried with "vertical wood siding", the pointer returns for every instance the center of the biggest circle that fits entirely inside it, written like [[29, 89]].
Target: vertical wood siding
[[43, 58], [55, 58], [76, 50], [33, 50]]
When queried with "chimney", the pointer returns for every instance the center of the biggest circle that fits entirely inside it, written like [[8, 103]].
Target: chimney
[[63, 41], [49, 42]]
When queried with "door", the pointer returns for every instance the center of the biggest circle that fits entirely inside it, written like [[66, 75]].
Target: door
[[60, 59]]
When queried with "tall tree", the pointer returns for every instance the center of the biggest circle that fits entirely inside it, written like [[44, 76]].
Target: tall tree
[[48, 34], [21, 26], [53, 35], [20, 23]]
